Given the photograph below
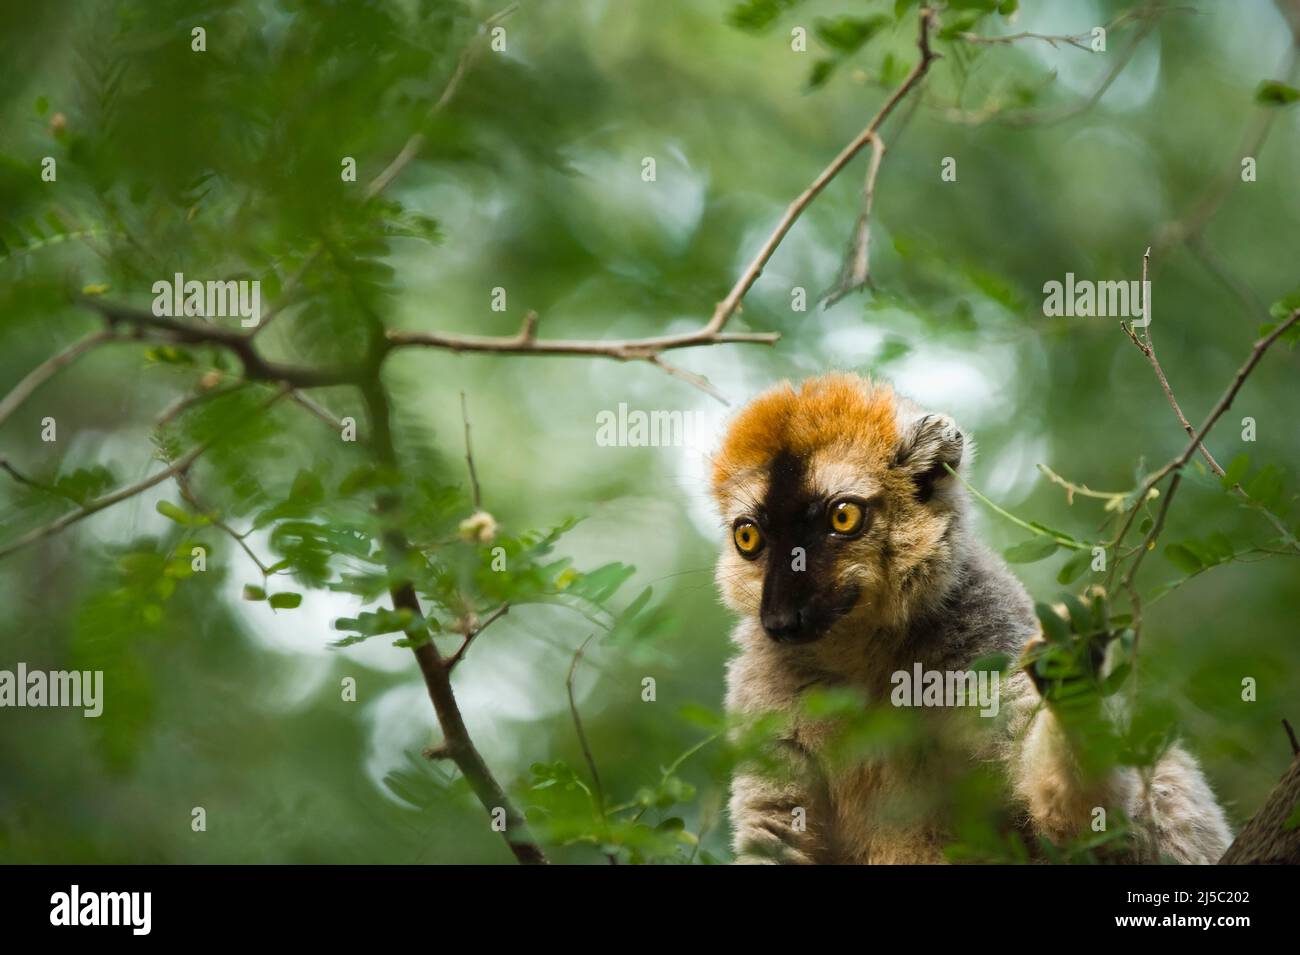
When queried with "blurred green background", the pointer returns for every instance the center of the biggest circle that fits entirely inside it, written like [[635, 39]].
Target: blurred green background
[[226, 163]]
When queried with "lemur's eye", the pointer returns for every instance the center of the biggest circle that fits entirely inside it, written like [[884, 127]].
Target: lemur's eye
[[846, 518], [749, 539]]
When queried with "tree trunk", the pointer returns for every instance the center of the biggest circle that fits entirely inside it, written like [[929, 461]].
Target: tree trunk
[[1267, 838]]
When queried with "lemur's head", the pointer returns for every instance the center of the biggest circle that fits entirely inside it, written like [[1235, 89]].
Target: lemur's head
[[837, 504]]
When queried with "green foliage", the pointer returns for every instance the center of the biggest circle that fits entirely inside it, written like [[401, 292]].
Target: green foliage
[[1273, 93], [227, 164]]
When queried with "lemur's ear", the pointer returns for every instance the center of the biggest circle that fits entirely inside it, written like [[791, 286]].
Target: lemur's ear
[[927, 445]]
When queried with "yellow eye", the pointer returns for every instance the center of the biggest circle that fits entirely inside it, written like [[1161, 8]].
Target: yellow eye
[[749, 539], [846, 517]]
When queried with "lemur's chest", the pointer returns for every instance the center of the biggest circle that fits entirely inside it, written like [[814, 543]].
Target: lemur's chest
[[883, 813]]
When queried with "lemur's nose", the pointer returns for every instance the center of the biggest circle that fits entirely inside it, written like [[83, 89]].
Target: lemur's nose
[[783, 625]]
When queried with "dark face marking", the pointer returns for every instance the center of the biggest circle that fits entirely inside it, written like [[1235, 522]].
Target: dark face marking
[[798, 605]]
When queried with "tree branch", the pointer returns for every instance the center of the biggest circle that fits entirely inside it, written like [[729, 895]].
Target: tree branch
[[415, 143], [474, 632], [255, 367], [1178, 462], [99, 504], [582, 735], [179, 466], [728, 306], [48, 368], [1148, 348], [457, 744], [469, 458]]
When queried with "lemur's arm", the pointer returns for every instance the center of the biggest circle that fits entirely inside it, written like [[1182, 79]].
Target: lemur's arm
[[780, 814], [1045, 773], [1174, 811]]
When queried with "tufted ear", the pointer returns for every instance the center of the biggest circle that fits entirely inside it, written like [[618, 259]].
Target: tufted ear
[[926, 445]]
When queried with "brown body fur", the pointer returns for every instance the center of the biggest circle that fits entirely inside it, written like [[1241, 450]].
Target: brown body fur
[[923, 591]]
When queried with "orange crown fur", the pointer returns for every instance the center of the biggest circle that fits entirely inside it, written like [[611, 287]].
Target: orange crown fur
[[838, 409]]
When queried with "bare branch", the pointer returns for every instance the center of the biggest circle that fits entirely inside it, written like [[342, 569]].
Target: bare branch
[[298, 398], [457, 743], [1147, 347], [469, 457], [1177, 463], [179, 466], [691, 378], [185, 402], [255, 367], [99, 504], [1077, 40], [1047, 117], [415, 143], [48, 368], [856, 273], [187, 492], [728, 306], [582, 735], [490, 619]]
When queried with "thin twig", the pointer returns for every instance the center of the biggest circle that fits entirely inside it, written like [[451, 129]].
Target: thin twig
[[187, 492], [179, 466], [48, 368], [1113, 499], [99, 504], [457, 744], [298, 398], [1148, 348], [469, 457], [474, 632], [415, 143], [582, 735], [1047, 117], [1177, 463], [856, 273], [1295, 744], [728, 306]]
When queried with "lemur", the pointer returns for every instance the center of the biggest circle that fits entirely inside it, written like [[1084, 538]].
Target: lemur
[[849, 556]]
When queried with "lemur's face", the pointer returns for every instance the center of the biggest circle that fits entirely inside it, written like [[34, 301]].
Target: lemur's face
[[829, 501]]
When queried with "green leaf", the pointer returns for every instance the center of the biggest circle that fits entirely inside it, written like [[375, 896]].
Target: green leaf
[[1034, 549], [252, 592], [1080, 619], [1266, 487], [1074, 568], [1281, 310], [846, 35], [1220, 547], [758, 15], [177, 514], [1115, 679], [285, 601], [1184, 558], [1054, 628], [307, 488], [1236, 470], [821, 72], [372, 624], [1273, 93]]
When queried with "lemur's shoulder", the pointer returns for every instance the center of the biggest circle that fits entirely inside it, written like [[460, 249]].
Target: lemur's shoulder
[[986, 610]]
